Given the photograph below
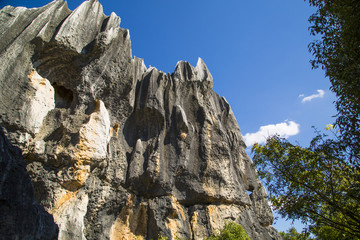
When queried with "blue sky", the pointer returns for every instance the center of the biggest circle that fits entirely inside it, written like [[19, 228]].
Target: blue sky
[[256, 52]]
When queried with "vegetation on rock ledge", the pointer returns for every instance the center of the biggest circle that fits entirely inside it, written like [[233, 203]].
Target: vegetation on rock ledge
[[231, 231]]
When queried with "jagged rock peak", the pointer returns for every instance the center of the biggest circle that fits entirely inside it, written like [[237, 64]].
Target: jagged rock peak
[[185, 72], [84, 24]]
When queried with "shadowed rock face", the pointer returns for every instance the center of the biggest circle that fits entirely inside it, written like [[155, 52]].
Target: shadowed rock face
[[21, 217], [116, 150]]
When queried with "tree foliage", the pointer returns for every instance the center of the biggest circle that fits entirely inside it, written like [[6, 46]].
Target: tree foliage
[[293, 234], [314, 184], [320, 184], [231, 231], [328, 233], [161, 237], [336, 24]]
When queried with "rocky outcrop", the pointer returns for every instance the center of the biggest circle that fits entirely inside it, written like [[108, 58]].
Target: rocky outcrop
[[21, 217], [116, 150]]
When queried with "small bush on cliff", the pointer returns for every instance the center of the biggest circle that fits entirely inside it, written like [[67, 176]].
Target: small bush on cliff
[[161, 237], [231, 231]]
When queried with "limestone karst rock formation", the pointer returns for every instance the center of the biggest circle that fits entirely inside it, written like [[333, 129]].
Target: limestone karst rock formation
[[116, 150], [21, 217]]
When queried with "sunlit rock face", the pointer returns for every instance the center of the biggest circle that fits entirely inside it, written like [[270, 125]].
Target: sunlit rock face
[[116, 150]]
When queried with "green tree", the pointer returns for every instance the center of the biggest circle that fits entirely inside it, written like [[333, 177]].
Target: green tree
[[336, 25], [293, 234], [231, 231], [328, 233], [320, 184], [316, 184]]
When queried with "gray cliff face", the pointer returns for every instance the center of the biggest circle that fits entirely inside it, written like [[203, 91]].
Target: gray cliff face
[[116, 150]]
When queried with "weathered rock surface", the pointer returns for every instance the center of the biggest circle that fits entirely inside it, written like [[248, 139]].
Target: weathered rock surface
[[116, 150], [21, 217]]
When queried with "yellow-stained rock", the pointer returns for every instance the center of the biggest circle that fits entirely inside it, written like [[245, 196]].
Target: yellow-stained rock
[[64, 199], [131, 223], [94, 135]]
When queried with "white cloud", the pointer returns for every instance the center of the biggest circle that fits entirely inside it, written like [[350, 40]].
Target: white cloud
[[284, 129], [320, 94]]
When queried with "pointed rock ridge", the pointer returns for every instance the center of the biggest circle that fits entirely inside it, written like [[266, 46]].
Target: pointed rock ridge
[[202, 72], [82, 26], [110, 29], [139, 67], [185, 72], [58, 11], [113, 21], [21, 24]]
